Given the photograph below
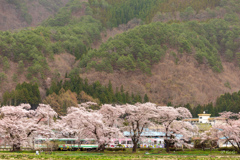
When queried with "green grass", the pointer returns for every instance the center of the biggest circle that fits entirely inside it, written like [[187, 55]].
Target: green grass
[[122, 155]]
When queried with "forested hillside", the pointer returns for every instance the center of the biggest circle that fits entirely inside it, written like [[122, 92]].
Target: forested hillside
[[31, 47], [181, 52], [115, 12], [15, 14], [146, 45]]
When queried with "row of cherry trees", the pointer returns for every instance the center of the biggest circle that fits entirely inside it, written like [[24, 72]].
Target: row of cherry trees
[[228, 131], [18, 124], [111, 120]]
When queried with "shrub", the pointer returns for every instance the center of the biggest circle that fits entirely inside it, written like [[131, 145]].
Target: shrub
[[175, 149], [115, 149], [227, 149]]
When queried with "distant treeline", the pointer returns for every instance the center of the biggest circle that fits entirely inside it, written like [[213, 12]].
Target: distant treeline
[[76, 90], [105, 94], [23, 93], [70, 92], [226, 102]]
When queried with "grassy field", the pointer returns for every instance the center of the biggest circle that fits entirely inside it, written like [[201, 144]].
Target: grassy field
[[122, 155]]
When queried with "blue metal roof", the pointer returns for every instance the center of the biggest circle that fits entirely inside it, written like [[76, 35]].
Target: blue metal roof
[[150, 133], [145, 134]]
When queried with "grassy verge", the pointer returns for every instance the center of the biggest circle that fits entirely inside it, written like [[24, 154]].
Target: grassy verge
[[152, 154]]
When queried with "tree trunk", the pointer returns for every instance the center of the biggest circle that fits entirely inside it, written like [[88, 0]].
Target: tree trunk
[[134, 150], [238, 150], [16, 147], [101, 147], [167, 145], [79, 144], [33, 143], [203, 148]]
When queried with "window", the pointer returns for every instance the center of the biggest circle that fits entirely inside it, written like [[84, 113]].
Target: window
[[200, 117], [129, 142], [123, 142], [116, 142]]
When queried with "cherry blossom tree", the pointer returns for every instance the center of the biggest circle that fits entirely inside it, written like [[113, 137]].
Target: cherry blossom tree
[[18, 123], [229, 130], [87, 104], [102, 132], [83, 122], [44, 113], [176, 131], [138, 117], [71, 125], [111, 115], [209, 138]]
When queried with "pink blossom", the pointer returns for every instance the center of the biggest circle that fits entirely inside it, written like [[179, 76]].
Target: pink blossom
[[18, 123]]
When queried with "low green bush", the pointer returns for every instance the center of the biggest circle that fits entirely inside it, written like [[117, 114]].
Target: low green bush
[[175, 149], [226, 149], [115, 149]]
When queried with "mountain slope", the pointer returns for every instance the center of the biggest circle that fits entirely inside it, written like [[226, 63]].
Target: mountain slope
[[145, 45], [115, 12], [15, 14], [182, 83], [179, 61]]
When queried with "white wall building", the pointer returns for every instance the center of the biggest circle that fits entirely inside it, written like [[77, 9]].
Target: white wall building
[[205, 118]]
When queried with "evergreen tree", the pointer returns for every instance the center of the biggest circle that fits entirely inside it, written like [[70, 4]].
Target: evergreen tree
[[146, 99]]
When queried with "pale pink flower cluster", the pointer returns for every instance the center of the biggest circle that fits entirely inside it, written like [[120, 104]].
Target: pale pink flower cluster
[[110, 121], [18, 123], [226, 132]]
